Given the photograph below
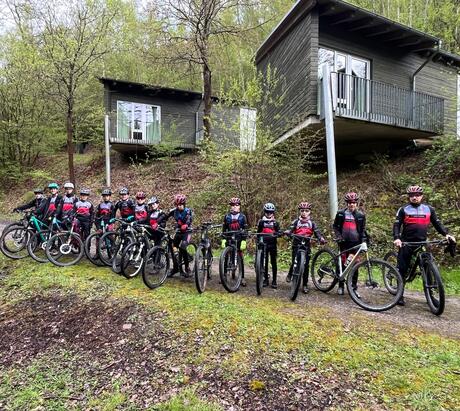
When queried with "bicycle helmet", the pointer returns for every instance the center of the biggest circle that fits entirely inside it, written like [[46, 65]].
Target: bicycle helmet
[[269, 208], [53, 185], [140, 195], [234, 201], [85, 192], [180, 199], [38, 191], [304, 205], [153, 200], [351, 197], [106, 192], [69, 185], [414, 190], [123, 191]]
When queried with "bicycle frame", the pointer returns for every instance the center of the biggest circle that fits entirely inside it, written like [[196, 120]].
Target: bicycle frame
[[421, 254], [362, 248]]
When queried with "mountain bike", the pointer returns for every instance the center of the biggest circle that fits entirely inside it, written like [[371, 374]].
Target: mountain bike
[[66, 248], [231, 264], [366, 280], [15, 236], [132, 258], [36, 246], [261, 260], [157, 261], [423, 264], [91, 243], [204, 257]]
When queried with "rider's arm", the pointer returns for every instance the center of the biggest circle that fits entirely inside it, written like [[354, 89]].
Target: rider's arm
[[398, 223], [260, 226], [162, 218], [26, 206], [338, 224], [225, 226], [437, 222], [317, 232]]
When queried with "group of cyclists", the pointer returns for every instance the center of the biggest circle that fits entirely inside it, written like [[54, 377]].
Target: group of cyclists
[[411, 224]]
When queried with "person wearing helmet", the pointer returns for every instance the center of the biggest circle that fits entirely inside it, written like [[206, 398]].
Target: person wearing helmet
[[303, 225], [33, 204], [84, 211], [125, 205], [49, 207], [157, 219], [414, 219], [349, 230], [235, 220], [104, 210], [141, 213], [183, 217], [67, 203], [268, 225]]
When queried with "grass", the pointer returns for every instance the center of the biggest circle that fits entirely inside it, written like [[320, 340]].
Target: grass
[[403, 367]]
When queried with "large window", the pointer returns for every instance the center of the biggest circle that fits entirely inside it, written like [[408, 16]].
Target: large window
[[138, 123]]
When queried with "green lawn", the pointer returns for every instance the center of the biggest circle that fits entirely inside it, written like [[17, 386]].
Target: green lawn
[[382, 365]]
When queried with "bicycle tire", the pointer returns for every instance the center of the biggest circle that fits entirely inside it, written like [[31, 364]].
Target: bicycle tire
[[432, 281], [367, 290], [116, 261], [129, 267], [155, 268], [324, 273], [36, 245], [68, 254], [107, 247], [226, 267], [390, 257], [201, 268], [297, 275], [259, 266], [16, 246]]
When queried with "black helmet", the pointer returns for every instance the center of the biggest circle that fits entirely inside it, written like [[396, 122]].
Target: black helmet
[[123, 190], [106, 192], [38, 191], [85, 191]]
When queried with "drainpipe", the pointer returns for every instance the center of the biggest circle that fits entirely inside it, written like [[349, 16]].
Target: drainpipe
[[429, 58]]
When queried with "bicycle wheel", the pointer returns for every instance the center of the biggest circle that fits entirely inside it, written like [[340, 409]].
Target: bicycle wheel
[[116, 260], [231, 269], [37, 245], [297, 274], [392, 258], [324, 270], [366, 285], [433, 287], [259, 266], [202, 268], [13, 242], [132, 259], [65, 249], [155, 268], [108, 245], [91, 252]]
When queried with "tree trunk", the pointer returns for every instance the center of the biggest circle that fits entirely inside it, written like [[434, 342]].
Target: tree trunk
[[207, 93], [70, 144]]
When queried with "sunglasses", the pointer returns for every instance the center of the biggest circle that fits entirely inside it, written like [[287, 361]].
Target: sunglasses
[[415, 195], [304, 210]]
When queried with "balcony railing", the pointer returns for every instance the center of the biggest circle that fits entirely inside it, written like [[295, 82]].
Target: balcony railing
[[377, 102]]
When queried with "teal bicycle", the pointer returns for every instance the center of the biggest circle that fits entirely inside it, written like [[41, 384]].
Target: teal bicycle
[[42, 232]]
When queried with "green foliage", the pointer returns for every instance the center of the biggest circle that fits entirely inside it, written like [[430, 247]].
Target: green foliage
[[443, 158], [186, 401]]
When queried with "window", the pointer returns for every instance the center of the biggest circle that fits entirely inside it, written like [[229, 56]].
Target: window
[[138, 123]]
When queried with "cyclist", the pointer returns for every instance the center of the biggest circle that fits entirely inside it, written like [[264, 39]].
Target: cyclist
[[104, 210], [349, 230], [49, 206], [67, 203], [414, 219], [125, 205], [34, 204], [140, 209], [233, 221], [268, 225], [304, 226], [157, 218], [183, 217], [84, 212]]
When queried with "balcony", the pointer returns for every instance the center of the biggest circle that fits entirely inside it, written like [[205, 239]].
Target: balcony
[[376, 102]]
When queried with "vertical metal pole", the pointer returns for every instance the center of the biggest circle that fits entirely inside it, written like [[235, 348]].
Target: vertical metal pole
[[330, 141], [107, 149]]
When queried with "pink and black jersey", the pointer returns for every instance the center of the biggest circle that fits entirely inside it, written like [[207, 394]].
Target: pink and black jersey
[[349, 228], [104, 210], [141, 213], [66, 206], [84, 209], [126, 208]]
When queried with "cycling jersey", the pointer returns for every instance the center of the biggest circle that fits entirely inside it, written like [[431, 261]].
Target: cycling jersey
[[66, 206], [414, 220], [157, 219], [268, 225], [104, 210], [35, 204], [235, 222], [126, 208], [83, 209], [49, 206], [350, 226], [305, 227], [141, 214], [183, 217]]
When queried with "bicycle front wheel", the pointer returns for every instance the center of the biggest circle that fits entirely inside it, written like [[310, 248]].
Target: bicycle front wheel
[[155, 268], [324, 270], [260, 260], [366, 284], [13, 242], [107, 247], [132, 260], [65, 249], [202, 268], [297, 274], [231, 269], [91, 245], [433, 287], [37, 245], [392, 258]]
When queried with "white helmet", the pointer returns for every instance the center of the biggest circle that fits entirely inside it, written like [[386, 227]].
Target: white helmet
[[69, 185]]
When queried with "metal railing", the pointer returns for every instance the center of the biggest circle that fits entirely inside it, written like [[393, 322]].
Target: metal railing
[[374, 101]]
